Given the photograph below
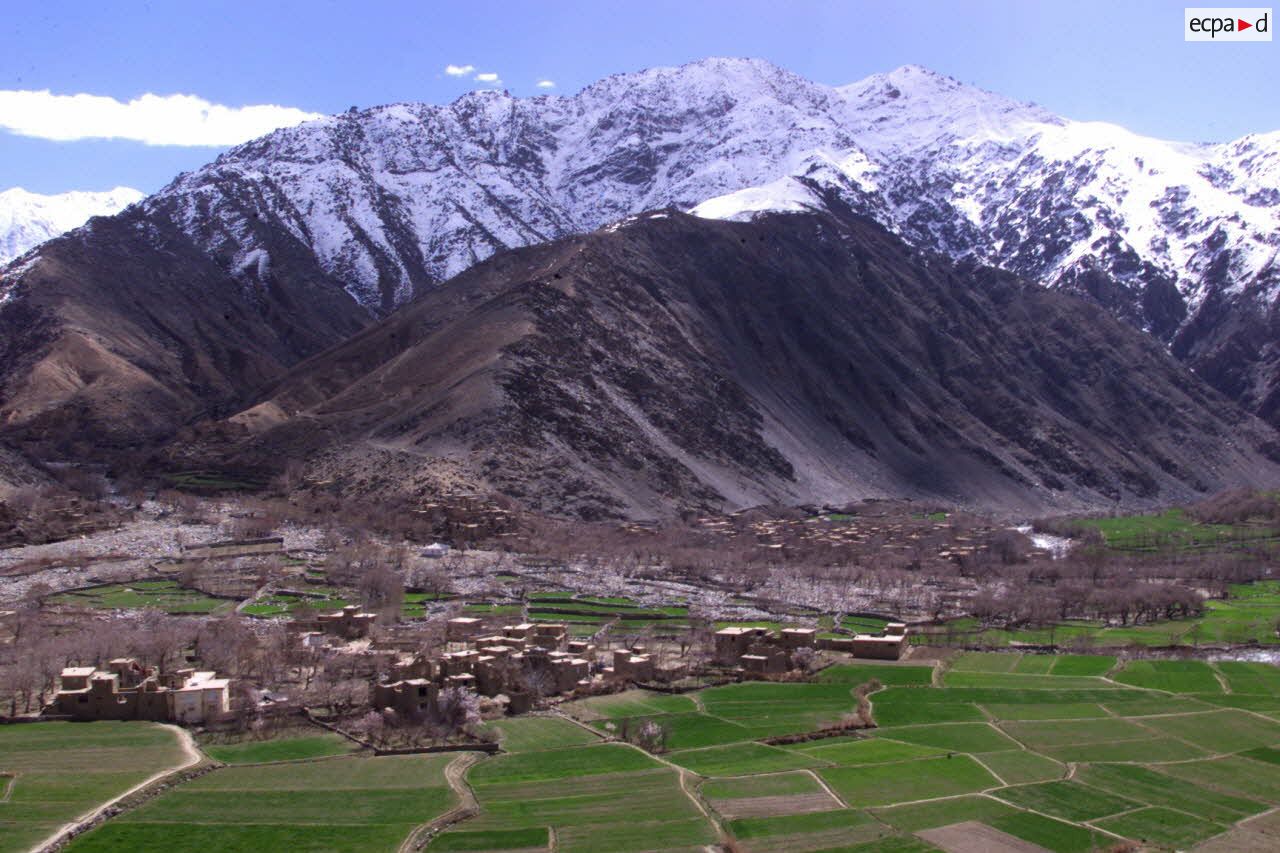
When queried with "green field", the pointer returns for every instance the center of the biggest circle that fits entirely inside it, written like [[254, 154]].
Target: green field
[[606, 797], [1018, 766], [1163, 826], [928, 778], [1174, 676], [291, 748], [344, 804], [163, 595], [630, 703], [878, 750], [283, 604], [1175, 529], [740, 758], [58, 772], [954, 737], [1068, 800], [788, 784], [528, 734], [913, 676], [1039, 747]]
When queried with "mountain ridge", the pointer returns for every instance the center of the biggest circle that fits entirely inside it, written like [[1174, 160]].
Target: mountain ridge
[[28, 219], [285, 245], [395, 199], [677, 363]]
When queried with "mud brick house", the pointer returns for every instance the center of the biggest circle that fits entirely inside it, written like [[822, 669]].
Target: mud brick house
[[879, 648], [348, 623], [887, 646], [125, 690], [410, 697], [630, 666], [760, 650], [462, 629], [493, 664], [798, 638], [734, 642], [550, 635]]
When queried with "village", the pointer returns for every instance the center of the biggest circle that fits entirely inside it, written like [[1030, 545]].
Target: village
[[807, 668], [520, 666], [226, 631]]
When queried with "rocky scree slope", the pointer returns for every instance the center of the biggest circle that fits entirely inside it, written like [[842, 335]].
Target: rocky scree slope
[[673, 362]]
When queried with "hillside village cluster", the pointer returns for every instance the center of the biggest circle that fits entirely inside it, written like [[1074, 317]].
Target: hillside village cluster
[[518, 664]]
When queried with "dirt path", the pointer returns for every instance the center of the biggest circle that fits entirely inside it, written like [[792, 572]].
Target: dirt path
[[193, 757], [455, 773], [830, 791], [987, 768], [556, 712], [693, 796], [1222, 679]]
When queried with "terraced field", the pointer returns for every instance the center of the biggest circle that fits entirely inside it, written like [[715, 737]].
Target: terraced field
[[294, 748], [340, 805], [283, 603], [1066, 753], [54, 773], [163, 595], [601, 797]]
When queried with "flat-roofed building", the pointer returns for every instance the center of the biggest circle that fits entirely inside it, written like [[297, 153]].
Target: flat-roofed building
[[878, 648], [409, 697], [349, 623], [128, 691], [798, 638], [460, 629]]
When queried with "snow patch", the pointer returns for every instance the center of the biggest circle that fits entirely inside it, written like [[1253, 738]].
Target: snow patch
[[786, 195]]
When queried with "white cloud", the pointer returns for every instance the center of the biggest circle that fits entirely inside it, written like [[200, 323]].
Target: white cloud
[[153, 119], [546, 84], [488, 77], [459, 70]]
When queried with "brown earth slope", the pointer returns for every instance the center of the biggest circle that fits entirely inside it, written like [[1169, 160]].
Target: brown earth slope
[[118, 333], [674, 362]]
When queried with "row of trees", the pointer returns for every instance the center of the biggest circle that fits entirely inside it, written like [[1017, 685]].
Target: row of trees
[[1010, 606]]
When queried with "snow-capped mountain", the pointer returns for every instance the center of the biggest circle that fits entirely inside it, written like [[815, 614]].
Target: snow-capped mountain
[[381, 204], [393, 198], [28, 219]]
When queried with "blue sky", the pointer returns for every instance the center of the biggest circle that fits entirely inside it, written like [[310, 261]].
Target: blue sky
[[1124, 62]]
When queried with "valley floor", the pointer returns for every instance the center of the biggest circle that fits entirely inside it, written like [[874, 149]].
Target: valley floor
[[980, 751]]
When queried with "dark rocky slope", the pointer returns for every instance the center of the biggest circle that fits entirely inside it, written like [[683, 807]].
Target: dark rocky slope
[[676, 362], [120, 332]]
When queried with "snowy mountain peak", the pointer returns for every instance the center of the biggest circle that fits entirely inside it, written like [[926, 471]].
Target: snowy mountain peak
[[1179, 239], [28, 219], [392, 199]]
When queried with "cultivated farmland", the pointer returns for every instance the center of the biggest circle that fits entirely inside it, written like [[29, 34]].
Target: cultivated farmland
[[343, 805], [1068, 754], [57, 772]]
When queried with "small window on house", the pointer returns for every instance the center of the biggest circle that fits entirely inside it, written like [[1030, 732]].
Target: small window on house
[[82, 699], [422, 691]]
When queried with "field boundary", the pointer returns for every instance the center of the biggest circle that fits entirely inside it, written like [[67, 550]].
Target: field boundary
[[455, 773], [148, 787]]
